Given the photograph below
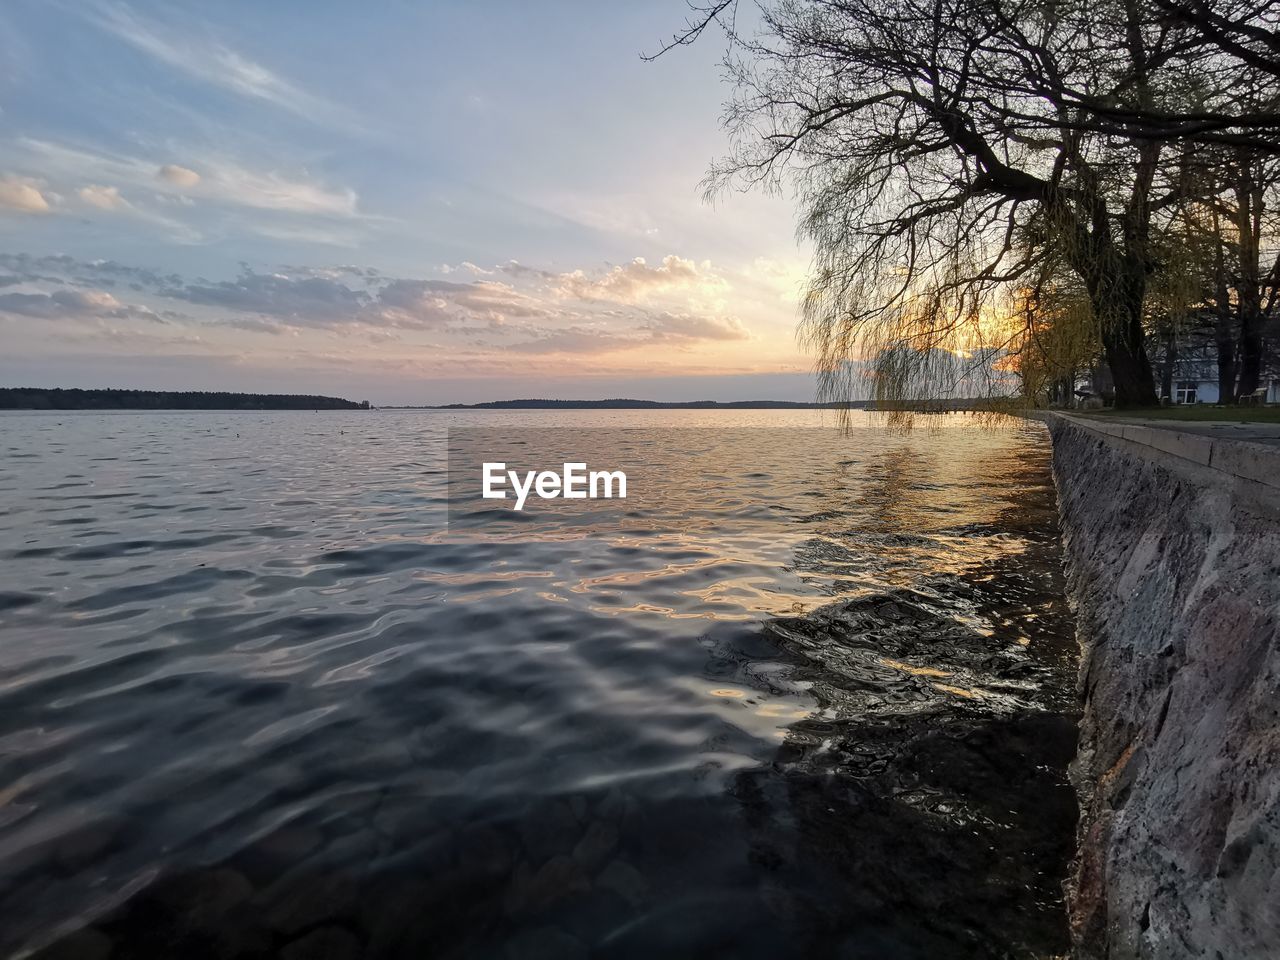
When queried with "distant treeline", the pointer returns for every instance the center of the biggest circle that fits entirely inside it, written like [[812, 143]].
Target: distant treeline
[[31, 398], [623, 404]]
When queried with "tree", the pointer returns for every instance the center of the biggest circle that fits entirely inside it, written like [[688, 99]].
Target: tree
[[941, 149], [1056, 336], [1222, 259]]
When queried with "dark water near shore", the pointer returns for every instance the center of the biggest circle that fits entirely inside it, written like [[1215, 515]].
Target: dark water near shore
[[256, 700]]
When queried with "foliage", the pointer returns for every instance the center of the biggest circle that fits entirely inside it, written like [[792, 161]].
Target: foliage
[[35, 398], [975, 174]]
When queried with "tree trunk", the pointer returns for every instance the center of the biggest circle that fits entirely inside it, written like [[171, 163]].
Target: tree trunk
[[1120, 314], [1250, 351], [1117, 289], [1170, 358], [1116, 276], [1226, 365], [1223, 325], [1249, 201], [1131, 371]]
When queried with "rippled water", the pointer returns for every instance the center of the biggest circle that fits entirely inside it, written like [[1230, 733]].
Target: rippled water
[[258, 698]]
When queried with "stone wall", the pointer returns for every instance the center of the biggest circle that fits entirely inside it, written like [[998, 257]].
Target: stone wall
[[1173, 565]]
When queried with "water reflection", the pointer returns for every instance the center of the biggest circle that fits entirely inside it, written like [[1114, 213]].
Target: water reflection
[[825, 713]]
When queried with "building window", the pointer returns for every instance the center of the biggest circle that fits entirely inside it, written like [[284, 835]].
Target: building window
[[1186, 392]]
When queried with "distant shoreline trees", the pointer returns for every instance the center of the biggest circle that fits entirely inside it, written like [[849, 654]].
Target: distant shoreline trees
[[628, 404], [34, 398], [972, 173]]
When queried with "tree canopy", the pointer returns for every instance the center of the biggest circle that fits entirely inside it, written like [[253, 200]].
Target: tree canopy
[[961, 163]]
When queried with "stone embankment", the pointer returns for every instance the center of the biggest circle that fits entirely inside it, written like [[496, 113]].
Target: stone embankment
[[1173, 560]]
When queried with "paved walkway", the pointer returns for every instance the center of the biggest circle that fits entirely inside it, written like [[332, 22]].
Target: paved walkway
[[1219, 429], [1249, 451]]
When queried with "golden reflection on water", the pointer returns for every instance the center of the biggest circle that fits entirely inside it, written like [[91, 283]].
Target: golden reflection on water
[[482, 576], [482, 595], [741, 525], [916, 671], [782, 711], [762, 522], [960, 691], [778, 715], [668, 612], [587, 584]]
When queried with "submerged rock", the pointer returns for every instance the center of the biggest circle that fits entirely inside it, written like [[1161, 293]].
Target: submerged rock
[[326, 943]]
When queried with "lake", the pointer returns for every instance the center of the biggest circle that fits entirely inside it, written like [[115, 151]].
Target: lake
[[268, 688]]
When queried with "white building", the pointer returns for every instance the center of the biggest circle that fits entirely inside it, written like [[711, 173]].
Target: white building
[[1195, 377]]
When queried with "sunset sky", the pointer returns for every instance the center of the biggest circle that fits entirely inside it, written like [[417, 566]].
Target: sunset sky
[[401, 202]]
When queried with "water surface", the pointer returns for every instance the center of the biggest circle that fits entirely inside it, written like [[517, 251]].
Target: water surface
[[258, 698]]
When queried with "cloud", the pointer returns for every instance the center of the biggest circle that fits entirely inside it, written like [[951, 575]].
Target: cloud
[[104, 198], [223, 181], [578, 340], [637, 280], [671, 329], [59, 268], [75, 305], [178, 176], [308, 300], [429, 302], [369, 274], [22, 195], [273, 191], [696, 327], [321, 234], [110, 200], [473, 269], [418, 302], [211, 63], [481, 316], [517, 269], [58, 303], [257, 325]]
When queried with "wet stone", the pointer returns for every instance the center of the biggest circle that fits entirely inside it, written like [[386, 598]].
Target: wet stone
[[595, 846], [779, 901], [625, 880], [598, 915], [146, 928], [326, 943], [278, 852], [401, 819], [300, 901], [441, 783], [617, 808], [84, 944], [546, 943], [549, 829], [201, 896], [354, 852], [351, 812], [559, 878], [397, 915], [483, 852], [89, 843], [374, 762]]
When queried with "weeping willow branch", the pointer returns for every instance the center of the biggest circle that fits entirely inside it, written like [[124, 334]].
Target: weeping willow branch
[[944, 151]]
